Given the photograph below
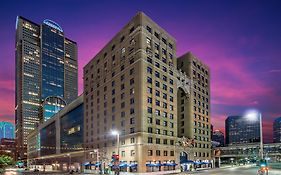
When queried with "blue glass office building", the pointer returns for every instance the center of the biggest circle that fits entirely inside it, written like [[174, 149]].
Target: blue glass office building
[[7, 130], [46, 75], [239, 130], [277, 130], [52, 46], [60, 134]]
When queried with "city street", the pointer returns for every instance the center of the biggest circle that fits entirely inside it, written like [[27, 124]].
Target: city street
[[223, 171], [250, 170]]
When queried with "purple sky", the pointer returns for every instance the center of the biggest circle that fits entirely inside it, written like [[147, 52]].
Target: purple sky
[[240, 41]]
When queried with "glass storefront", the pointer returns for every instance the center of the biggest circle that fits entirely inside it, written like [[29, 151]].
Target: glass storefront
[[72, 130], [48, 139]]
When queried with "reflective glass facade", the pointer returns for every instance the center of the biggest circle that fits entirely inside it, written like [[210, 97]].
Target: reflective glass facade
[[41, 54], [7, 130], [218, 136], [48, 140], [52, 62], [277, 130], [51, 106], [239, 129], [71, 130], [28, 72], [71, 71]]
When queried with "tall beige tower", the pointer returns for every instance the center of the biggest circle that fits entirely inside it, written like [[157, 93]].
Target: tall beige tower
[[130, 88], [194, 108]]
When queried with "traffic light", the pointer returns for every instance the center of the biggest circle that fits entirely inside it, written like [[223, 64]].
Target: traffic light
[[263, 163], [115, 157]]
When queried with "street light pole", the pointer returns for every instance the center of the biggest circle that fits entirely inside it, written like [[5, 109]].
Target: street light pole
[[117, 135], [118, 146], [261, 137]]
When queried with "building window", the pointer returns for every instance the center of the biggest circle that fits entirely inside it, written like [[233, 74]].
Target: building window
[[132, 120], [149, 100], [164, 40], [123, 50], [165, 153], [149, 80], [132, 130], [132, 101], [132, 111], [149, 140], [149, 110], [165, 96], [157, 93], [149, 130], [156, 35], [157, 152], [148, 41], [150, 153], [149, 70], [149, 120], [149, 60], [157, 103], [157, 122], [123, 154], [133, 152], [132, 29], [157, 112], [132, 81], [149, 90], [132, 140], [157, 84], [164, 87], [157, 131], [148, 29], [132, 91], [131, 71], [157, 140], [172, 153]]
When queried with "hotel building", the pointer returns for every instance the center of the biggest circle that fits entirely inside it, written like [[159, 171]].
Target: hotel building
[[132, 86], [194, 107]]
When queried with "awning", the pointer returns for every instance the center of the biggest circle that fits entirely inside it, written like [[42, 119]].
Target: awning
[[98, 164], [169, 164], [123, 165], [89, 164], [187, 161], [153, 164], [201, 163], [133, 165]]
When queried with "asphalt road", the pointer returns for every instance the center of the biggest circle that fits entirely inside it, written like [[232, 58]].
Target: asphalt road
[[223, 171], [250, 170]]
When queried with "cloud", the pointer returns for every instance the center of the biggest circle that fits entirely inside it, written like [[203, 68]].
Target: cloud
[[275, 71]]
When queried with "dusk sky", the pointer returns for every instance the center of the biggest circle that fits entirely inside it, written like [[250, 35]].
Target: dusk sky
[[240, 41]]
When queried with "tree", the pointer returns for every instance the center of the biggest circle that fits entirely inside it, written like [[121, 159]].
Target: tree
[[5, 161]]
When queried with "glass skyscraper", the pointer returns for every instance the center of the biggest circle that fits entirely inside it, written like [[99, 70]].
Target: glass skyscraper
[[239, 129], [277, 130], [7, 130], [46, 79]]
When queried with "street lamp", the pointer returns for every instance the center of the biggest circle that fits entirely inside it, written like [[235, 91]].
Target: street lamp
[[117, 135], [69, 162], [254, 115]]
